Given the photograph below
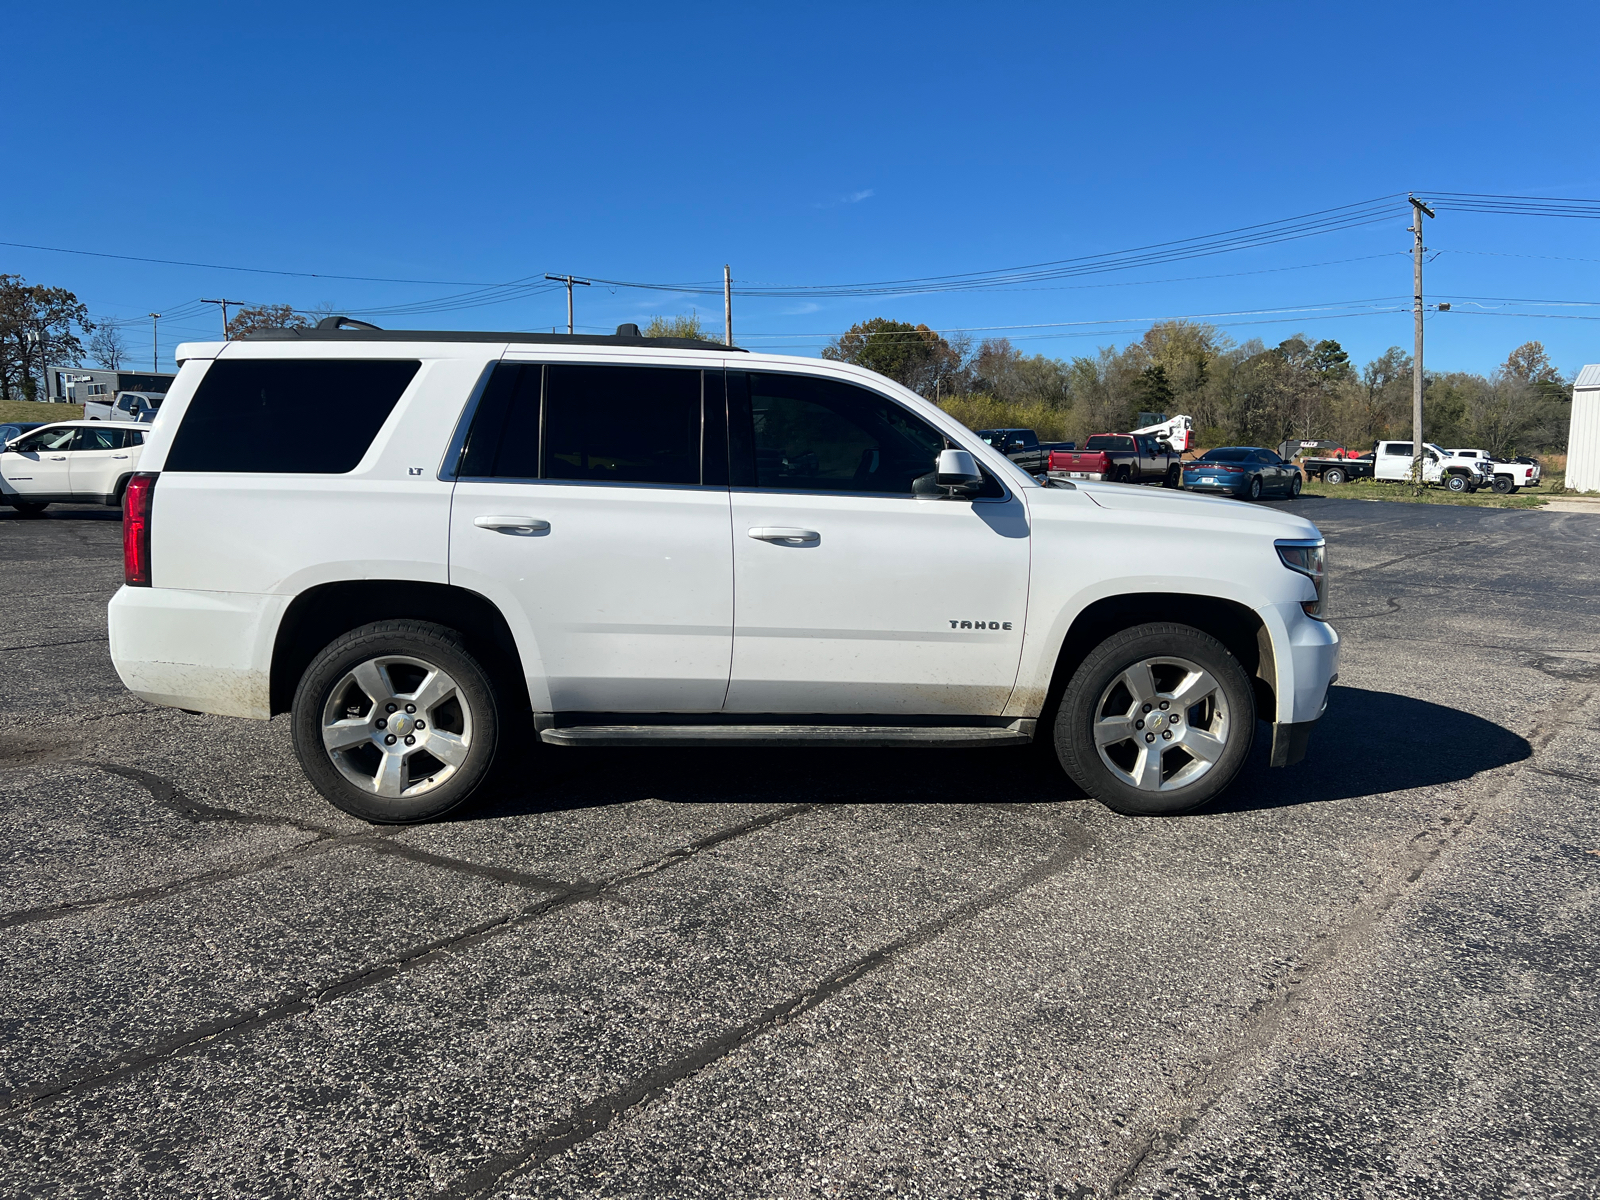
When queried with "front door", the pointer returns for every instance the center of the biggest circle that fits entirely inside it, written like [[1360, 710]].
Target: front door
[[584, 512], [858, 588], [39, 464]]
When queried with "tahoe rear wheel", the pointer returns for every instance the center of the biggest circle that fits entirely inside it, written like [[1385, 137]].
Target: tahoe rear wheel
[[1157, 720], [395, 722]]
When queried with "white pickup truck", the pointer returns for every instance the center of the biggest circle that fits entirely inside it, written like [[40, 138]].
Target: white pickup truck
[[1507, 477], [479, 540], [137, 407], [1394, 462]]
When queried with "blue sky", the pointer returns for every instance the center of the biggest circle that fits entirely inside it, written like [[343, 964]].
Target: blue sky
[[820, 144]]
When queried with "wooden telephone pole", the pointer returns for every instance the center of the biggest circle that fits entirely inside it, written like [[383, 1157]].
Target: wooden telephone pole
[[727, 306], [1418, 211], [569, 281]]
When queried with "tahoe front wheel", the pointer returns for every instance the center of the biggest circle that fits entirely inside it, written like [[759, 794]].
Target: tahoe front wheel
[[395, 722], [1157, 720]]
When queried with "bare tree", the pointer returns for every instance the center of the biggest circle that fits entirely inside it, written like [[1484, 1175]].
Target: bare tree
[[108, 348]]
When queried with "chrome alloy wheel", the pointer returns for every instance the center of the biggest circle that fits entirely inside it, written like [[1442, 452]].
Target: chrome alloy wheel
[[396, 726], [1161, 724]]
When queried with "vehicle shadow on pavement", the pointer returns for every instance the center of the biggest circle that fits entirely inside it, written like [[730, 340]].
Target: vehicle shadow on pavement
[[98, 512], [1367, 743]]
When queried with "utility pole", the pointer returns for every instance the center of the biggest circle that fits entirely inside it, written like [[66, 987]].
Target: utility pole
[[155, 342], [1418, 211], [727, 305], [569, 281], [224, 304], [36, 336]]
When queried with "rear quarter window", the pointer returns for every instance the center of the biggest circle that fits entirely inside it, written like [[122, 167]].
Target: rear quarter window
[[287, 416]]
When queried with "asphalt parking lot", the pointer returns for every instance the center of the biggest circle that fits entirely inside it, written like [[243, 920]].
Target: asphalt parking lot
[[847, 973]]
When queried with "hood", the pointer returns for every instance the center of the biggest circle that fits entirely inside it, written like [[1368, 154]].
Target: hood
[[1161, 502]]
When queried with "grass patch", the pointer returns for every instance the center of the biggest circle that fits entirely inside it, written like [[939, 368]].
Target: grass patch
[[37, 410], [1404, 493]]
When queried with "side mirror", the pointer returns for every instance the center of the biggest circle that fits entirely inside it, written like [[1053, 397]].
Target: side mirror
[[958, 471]]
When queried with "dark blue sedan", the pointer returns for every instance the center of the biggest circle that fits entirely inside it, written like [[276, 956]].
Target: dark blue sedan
[[1248, 472]]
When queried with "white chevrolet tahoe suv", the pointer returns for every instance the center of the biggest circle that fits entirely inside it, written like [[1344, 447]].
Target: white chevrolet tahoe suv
[[431, 548]]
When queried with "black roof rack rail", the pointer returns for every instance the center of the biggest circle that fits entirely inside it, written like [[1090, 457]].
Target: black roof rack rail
[[347, 329]]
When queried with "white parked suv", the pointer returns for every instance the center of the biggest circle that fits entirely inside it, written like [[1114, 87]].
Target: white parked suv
[[482, 541], [70, 462]]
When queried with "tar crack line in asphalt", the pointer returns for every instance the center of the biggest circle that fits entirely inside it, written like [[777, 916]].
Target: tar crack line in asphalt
[[19, 1101], [595, 1118]]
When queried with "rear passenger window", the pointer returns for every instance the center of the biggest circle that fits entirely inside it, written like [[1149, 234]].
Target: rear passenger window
[[593, 424], [287, 416]]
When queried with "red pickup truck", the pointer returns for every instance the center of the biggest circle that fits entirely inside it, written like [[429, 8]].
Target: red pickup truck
[[1120, 458]]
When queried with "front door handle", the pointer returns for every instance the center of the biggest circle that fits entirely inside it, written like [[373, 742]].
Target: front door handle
[[119, 456], [513, 524], [58, 458], [788, 537]]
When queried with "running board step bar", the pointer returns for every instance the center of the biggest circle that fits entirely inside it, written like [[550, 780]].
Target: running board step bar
[[1018, 733]]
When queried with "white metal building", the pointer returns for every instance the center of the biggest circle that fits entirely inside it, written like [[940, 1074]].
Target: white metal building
[[1583, 441]]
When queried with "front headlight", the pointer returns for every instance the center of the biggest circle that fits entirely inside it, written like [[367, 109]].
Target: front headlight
[[1309, 557]]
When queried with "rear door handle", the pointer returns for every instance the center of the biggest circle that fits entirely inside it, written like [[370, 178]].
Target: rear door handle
[[779, 533], [119, 456], [513, 524], [58, 458]]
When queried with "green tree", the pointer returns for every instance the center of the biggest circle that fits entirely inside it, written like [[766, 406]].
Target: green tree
[[1154, 389], [53, 316], [266, 316], [680, 327], [912, 355]]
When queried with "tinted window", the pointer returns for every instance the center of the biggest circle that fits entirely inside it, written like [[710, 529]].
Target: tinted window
[[1227, 454], [99, 439], [1398, 448], [821, 435], [313, 417], [599, 424], [1104, 441], [622, 424]]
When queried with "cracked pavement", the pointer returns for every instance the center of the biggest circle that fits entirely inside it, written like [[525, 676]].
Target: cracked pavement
[[826, 973]]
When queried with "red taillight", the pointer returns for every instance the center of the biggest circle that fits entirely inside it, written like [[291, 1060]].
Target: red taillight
[[136, 500]]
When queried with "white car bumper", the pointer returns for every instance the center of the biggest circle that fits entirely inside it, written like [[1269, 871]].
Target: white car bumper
[[206, 651]]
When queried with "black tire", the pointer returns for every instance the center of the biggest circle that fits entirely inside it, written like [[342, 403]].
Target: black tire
[[1099, 674], [1457, 483], [1255, 488], [1121, 475], [1295, 484], [474, 720], [30, 508], [1174, 477], [1503, 485], [1334, 475]]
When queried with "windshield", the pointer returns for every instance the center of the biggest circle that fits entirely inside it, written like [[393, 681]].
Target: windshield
[[1109, 441], [1227, 454]]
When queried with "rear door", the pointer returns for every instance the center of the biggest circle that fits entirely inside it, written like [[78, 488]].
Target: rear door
[[858, 588], [100, 456], [592, 507]]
